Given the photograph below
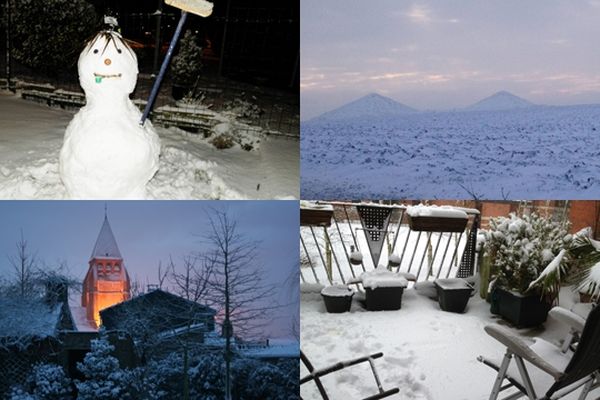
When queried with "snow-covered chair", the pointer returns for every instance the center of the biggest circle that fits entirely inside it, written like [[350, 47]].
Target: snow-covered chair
[[316, 374], [555, 370]]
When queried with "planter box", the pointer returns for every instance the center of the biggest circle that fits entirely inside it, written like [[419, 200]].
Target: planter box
[[313, 216], [383, 289], [437, 224], [384, 298], [453, 294], [522, 311], [338, 299]]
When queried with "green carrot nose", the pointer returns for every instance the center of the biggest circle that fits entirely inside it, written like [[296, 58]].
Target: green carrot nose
[[98, 79]]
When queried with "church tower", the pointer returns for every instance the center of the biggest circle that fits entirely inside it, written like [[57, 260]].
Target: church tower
[[106, 282]]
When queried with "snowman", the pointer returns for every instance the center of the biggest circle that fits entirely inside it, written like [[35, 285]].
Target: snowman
[[106, 152]]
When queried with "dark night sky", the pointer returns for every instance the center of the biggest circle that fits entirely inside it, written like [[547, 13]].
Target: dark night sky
[[150, 231]]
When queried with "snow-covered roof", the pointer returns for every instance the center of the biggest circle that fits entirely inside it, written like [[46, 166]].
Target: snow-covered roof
[[275, 349], [106, 245], [78, 312], [27, 318]]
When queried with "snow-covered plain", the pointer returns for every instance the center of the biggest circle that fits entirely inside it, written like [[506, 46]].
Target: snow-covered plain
[[528, 153], [427, 353], [31, 136]]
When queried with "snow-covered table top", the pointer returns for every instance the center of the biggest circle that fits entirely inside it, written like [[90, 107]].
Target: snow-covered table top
[[436, 211], [381, 277]]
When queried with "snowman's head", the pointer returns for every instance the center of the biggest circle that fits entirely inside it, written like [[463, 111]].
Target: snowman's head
[[107, 65]]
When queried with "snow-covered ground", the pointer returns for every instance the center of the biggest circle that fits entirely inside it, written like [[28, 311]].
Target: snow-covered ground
[[529, 153], [31, 136], [427, 353]]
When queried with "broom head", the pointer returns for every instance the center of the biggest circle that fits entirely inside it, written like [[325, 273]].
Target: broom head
[[199, 7]]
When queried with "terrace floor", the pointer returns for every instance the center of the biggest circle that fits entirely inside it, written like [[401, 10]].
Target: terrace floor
[[427, 353]]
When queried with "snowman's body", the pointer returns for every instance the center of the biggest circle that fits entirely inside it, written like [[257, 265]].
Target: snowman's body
[[106, 152]]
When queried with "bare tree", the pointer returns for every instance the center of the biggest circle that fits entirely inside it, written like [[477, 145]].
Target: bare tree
[[24, 264], [192, 283], [162, 275], [292, 284], [237, 287], [135, 287], [193, 280]]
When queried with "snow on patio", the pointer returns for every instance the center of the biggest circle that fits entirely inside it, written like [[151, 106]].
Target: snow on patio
[[427, 353], [31, 136]]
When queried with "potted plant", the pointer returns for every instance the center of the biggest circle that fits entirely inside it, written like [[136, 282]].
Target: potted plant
[[337, 298], [577, 265], [519, 249], [436, 219], [186, 66], [313, 213], [453, 294], [383, 289]]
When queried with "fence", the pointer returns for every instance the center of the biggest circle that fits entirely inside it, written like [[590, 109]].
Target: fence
[[329, 244]]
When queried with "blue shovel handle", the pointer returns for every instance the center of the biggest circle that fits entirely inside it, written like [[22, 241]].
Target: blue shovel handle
[[163, 68]]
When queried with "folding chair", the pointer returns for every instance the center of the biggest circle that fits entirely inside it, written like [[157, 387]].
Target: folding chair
[[557, 370], [317, 374]]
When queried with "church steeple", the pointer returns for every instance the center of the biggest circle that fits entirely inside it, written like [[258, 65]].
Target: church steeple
[[106, 245], [106, 282]]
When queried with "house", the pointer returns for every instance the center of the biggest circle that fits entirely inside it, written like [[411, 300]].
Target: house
[[160, 320]]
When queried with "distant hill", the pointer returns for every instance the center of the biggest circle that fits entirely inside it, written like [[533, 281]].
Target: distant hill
[[500, 101], [370, 106]]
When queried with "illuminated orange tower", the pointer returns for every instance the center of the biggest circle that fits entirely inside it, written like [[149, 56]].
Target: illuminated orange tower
[[106, 282]]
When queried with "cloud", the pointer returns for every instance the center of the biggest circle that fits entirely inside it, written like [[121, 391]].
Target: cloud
[[419, 14]]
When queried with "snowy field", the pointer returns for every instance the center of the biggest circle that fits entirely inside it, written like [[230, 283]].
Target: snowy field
[[31, 136], [538, 152], [428, 353]]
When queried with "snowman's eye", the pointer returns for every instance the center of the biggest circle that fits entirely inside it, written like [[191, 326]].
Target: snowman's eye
[[119, 51], [95, 51]]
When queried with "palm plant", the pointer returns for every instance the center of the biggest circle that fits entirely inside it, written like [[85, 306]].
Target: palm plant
[[577, 265]]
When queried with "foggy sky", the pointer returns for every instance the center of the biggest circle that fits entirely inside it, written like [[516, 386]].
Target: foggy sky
[[448, 54], [150, 231]]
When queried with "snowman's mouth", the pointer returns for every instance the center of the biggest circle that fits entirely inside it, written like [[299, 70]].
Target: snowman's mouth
[[99, 77]]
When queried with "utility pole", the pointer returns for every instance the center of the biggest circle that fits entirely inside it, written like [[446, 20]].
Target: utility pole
[[158, 13]]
